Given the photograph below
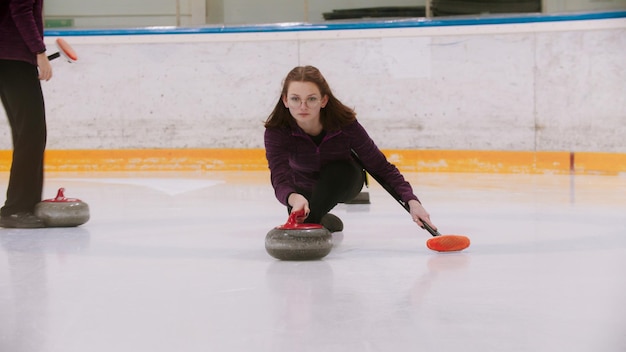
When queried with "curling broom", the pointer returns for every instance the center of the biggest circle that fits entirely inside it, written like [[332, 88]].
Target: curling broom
[[65, 50], [439, 242]]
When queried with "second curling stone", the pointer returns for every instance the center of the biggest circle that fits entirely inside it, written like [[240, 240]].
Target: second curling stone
[[62, 212]]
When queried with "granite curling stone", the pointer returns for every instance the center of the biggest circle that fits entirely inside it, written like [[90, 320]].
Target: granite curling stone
[[298, 241], [62, 212]]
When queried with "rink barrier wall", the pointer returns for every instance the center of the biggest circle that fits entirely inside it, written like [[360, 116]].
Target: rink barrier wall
[[550, 82], [527, 75], [207, 160]]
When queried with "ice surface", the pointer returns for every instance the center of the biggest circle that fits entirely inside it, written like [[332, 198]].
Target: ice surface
[[176, 262]]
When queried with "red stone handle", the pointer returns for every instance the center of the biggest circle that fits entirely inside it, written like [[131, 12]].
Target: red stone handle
[[61, 197], [294, 222]]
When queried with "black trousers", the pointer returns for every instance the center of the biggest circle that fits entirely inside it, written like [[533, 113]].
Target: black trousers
[[20, 91], [338, 182]]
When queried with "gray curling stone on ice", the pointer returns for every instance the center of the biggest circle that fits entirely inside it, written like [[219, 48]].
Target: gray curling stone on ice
[[62, 212], [298, 241]]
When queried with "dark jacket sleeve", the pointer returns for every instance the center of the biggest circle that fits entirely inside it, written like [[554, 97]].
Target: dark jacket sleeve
[[277, 154], [376, 163], [28, 19]]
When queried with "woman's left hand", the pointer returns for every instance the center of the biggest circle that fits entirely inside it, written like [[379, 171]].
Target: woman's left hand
[[419, 214]]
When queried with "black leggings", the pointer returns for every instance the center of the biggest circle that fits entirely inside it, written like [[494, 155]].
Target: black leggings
[[20, 92], [338, 182]]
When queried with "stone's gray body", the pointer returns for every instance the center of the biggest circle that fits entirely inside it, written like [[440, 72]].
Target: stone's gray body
[[298, 244], [63, 214]]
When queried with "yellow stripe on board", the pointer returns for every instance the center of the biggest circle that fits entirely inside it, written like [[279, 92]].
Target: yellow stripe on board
[[479, 161], [600, 163], [254, 160]]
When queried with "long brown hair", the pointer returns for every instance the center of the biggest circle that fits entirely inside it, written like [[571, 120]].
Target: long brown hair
[[333, 116]]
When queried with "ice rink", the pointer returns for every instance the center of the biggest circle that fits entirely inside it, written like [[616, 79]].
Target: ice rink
[[176, 262]]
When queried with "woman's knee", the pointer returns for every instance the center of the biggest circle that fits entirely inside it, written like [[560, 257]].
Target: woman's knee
[[342, 169], [344, 176]]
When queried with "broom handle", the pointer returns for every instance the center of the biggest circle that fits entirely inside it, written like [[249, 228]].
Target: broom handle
[[393, 193]]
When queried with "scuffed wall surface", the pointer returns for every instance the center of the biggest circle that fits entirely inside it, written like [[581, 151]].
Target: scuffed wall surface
[[186, 95], [581, 91]]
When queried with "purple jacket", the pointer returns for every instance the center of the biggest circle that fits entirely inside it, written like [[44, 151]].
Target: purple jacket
[[21, 30], [295, 160]]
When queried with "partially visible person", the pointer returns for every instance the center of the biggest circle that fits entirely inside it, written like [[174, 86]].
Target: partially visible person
[[309, 139], [23, 63]]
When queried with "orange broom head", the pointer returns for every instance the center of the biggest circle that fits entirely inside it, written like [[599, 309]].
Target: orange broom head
[[66, 49], [448, 243]]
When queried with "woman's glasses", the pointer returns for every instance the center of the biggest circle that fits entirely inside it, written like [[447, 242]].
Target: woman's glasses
[[310, 102]]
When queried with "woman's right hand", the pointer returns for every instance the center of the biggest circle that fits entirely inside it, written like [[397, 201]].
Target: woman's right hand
[[298, 202]]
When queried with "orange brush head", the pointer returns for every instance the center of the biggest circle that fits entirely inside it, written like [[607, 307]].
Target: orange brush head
[[448, 243], [66, 49]]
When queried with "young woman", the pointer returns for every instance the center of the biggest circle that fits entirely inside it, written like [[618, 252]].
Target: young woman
[[310, 138]]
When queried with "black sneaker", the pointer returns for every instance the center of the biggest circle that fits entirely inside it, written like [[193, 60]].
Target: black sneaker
[[332, 223], [23, 220]]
